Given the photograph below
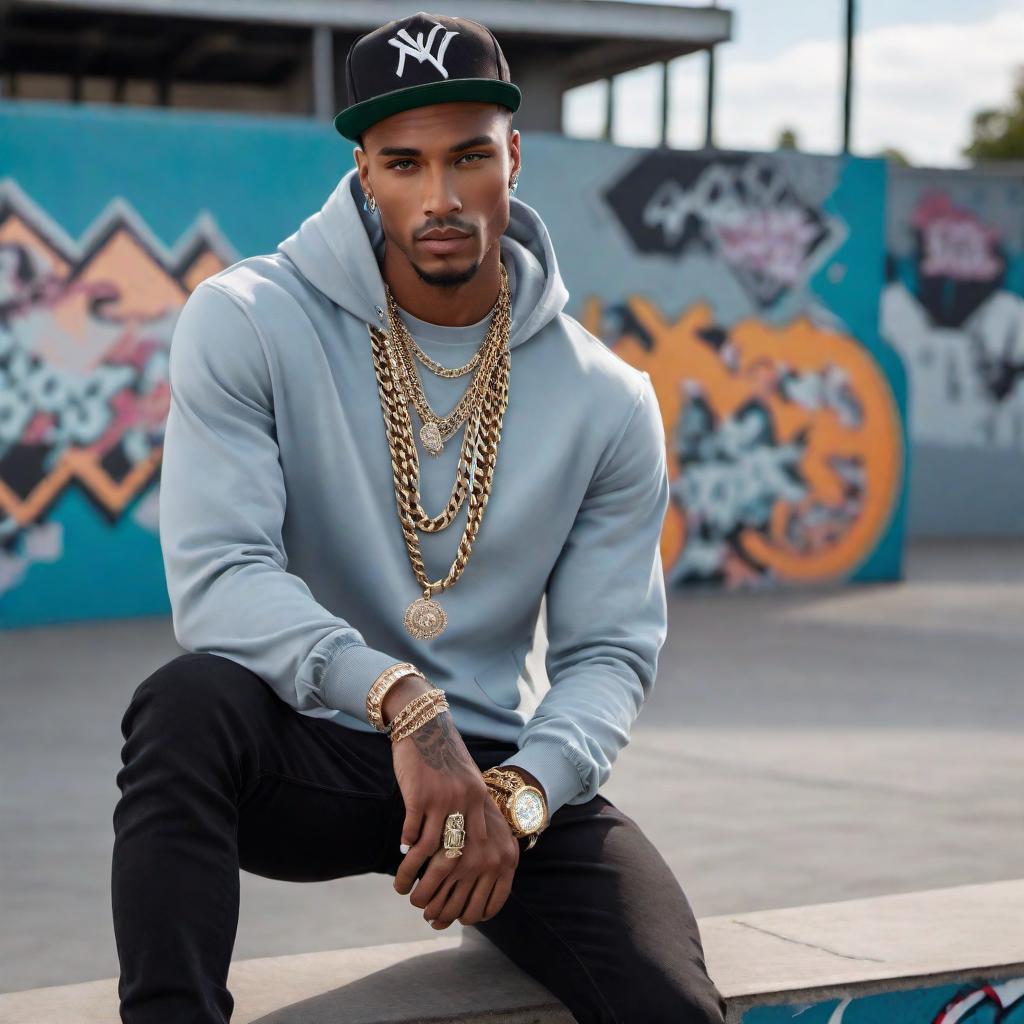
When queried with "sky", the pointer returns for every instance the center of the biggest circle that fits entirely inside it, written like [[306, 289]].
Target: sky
[[921, 69]]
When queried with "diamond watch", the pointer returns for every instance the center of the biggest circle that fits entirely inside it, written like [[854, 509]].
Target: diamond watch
[[523, 805]]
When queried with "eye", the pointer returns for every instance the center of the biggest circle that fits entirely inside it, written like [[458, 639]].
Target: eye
[[396, 164]]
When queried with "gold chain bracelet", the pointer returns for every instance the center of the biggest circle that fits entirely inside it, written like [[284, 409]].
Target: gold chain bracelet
[[380, 687], [410, 723], [421, 700]]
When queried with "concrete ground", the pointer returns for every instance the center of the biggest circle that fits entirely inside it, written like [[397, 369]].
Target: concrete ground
[[799, 747]]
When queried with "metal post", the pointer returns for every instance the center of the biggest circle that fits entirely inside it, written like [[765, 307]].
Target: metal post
[[323, 73], [848, 85], [664, 103], [609, 109], [709, 106]]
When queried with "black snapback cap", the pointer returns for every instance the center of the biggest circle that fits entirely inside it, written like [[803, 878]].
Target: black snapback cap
[[419, 60]]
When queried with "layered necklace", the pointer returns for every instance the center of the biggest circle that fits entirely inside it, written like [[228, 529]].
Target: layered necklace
[[481, 408]]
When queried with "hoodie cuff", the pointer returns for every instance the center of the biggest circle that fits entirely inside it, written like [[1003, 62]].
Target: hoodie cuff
[[349, 676], [554, 770]]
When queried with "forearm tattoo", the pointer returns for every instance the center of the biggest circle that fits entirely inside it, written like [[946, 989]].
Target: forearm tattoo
[[435, 741]]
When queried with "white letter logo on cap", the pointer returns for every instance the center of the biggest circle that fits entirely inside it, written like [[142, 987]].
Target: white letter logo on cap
[[420, 49]]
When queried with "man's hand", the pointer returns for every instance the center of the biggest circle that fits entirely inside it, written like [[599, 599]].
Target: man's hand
[[437, 776], [464, 901]]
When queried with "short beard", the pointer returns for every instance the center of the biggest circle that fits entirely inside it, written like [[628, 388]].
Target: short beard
[[449, 279]]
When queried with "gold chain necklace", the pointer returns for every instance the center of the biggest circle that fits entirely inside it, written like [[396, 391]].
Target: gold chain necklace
[[470, 438], [425, 618], [436, 368], [430, 364], [436, 429]]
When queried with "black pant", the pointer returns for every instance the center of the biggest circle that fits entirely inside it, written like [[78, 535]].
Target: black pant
[[220, 774]]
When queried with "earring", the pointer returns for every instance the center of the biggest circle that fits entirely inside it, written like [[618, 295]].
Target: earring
[[370, 203], [515, 184]]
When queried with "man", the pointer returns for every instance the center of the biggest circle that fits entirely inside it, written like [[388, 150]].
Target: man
[[307, 576]]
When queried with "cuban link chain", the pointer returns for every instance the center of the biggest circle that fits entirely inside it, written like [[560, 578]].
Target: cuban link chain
[[425, 618]]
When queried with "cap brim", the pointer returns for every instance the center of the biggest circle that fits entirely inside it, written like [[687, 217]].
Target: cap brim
[[354, 120]]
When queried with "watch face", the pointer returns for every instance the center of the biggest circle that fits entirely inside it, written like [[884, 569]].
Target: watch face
[[528, 809]]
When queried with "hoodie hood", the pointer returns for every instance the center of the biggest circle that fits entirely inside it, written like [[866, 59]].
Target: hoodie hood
[[339, 250]]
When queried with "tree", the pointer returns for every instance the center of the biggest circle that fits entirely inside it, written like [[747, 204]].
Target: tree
[[895, 156], [999, 134], [787, 139]]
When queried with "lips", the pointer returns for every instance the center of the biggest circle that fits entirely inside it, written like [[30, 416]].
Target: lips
[[443, 242]]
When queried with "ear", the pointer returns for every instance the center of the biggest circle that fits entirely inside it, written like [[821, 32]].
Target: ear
[[363, 168], [515, 160]]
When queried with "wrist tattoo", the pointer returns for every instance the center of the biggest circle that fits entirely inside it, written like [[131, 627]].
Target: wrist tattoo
[[435, 740]]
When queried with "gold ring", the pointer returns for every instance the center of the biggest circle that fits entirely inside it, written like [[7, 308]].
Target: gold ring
[[454, 834]]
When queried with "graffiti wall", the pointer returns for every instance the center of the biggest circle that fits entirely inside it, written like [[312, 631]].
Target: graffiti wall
[[953, 306], [747, 285], [991, 1002], [108, 219]]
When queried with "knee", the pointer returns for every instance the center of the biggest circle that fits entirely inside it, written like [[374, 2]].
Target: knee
[[189, 689]]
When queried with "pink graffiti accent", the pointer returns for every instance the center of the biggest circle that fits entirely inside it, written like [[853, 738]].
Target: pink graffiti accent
[[147, 412], [772, 241], [39, 428], [955, 242]]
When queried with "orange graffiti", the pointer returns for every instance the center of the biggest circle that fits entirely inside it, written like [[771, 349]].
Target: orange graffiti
[[759, 357], [76, 314]]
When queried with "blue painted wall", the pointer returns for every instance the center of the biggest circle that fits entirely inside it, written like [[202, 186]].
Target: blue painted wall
[[981, 1002], [746, 283], [953, 307]]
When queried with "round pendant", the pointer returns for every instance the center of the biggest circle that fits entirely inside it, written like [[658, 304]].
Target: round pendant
[[430, 435], [425, 619]]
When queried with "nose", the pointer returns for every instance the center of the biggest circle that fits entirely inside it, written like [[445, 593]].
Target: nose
[[439, 196]]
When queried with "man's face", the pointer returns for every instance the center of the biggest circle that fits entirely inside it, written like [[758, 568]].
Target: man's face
[[443, 167]]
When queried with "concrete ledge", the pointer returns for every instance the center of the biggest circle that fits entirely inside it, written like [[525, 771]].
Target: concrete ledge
[[857, 948], [793, 956]]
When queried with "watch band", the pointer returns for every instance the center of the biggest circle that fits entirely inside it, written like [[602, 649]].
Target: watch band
[[503, 784]]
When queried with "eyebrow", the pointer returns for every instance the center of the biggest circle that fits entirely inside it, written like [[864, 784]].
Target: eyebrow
[[479, 140]]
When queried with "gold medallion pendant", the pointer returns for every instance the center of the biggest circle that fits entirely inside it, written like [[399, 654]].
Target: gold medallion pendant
[[430, 435], [425, 618]]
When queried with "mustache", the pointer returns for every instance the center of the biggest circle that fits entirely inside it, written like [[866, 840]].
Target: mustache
[[454, 225]]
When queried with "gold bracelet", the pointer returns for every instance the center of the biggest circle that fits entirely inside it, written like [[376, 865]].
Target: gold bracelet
[[432, 712], [380, 687], [407, 710], [410, 723], [413, 707], [413, 724]]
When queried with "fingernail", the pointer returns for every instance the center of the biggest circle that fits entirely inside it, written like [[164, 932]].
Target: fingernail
[[403, 847]]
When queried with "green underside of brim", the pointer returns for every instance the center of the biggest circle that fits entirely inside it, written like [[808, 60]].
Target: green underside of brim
[[354, 120]]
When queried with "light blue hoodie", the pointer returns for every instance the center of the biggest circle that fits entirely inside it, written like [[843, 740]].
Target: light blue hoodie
[[279, 526]]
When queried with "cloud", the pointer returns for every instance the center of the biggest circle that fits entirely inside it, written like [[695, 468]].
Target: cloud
[[916, 87]]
